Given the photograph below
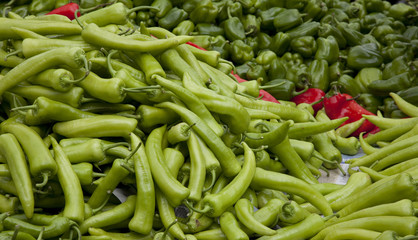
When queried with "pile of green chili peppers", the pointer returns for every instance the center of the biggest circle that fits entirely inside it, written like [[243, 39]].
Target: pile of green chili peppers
[[114, 129]]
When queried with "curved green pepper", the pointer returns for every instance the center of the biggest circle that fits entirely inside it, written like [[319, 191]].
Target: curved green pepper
[[327, 49], [318, 70], [393, 84]]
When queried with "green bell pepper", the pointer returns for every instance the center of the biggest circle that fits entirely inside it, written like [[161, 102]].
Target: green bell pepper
[[241, 52], [384, 87], [267, 17], [369, 101], [209, 29], [365, 55], [327, 49], [251, 24], [305, 45], [280, 43], [204, 14], [287, 19], [318, 70], [173, 18], [184, 28], [234, 29], [284, 90]]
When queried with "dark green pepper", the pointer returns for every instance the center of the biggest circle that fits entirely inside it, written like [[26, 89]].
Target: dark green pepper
[[336, 70], [393, 84], [397, 66], [267, 17], [381, 31], [305, 45], [209, 29], [253, 43], [280, 43], [184, 28], [318, 70], [335, 15], [374, 6], [326, 30], [41, 6], [190, 5], [352, 36], [397, 49], [220, 44], [388, 107], [265, 58], [234, 29], [391, 38], [242, 69], [277, 69], [296, 4], [257, 72], [305, 29], [315, 10], [173, 18], [203, 41], [410, 95], [403, 12], [263, 5], [204, 14], [287, 19], [369, 102], [356, 10], [365, 55], [164, 6], [241, 52], [348, 85], [251, 24], [327, 49], [411, 32], [264, 40], [284, 90], [298, 74]]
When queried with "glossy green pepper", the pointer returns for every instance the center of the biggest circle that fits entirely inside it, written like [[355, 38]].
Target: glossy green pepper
[[374, 6], [353, 36], [411, 32], [173, 18], [265, 58], [251, 24], [305, 45], [267, 17], [234, 29], [410, 95], [257, 72], [327, 49], [365, 55], [379, 32], [287, 19], [305, 29], [318, 70], [393, 84], [365, 76], [277, 69], [220, 44], [284, 90], [280, 43], [204, 14], [335, 14], [315, 10], [397, 49], [326, 30], [264, 40], [209, 29], [253, 43], [184, 28], [402, 12], [203, 41], [356, 10], [241, 52], [190, 5], [348, 85], [395, 67], [297, 4], [336, 70], [369, 102], [267, 4], [39, 6]]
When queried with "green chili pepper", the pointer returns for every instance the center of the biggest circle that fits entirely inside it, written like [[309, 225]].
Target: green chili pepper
[[73, 57], [85, 172], [230, 226], [216, 204], [95, 126], [50, 225], [74, 202], [197, 171], [41, 163], [244, 211], [224, 154], [58, 79], [43, 27], [292, 185], [270, 139]]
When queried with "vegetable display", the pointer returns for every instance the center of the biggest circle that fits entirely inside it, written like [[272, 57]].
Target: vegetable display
[[187, 119]]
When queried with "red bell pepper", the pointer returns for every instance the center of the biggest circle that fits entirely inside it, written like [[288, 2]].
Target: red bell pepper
[[313, 96], [67, 10], [343, 105]]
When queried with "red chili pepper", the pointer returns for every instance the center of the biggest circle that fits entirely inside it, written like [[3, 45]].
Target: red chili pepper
[[344, 105], [66, 10], [195, 45], [313, 96]]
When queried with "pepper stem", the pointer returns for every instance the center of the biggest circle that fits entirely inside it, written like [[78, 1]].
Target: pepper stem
[[330, 162], [109, 63], [76, 12], [295, 93], [221, 60], [12, 54], [133, 152], [17, 228], [206, 209], [96, 210], [44, 180], [168, 228], [77, 230], [325, 170], [271, 86], [139, 8], [129, 115], [212, 183], [142, 89], [23, 108], [253, 138], [112, 145]]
